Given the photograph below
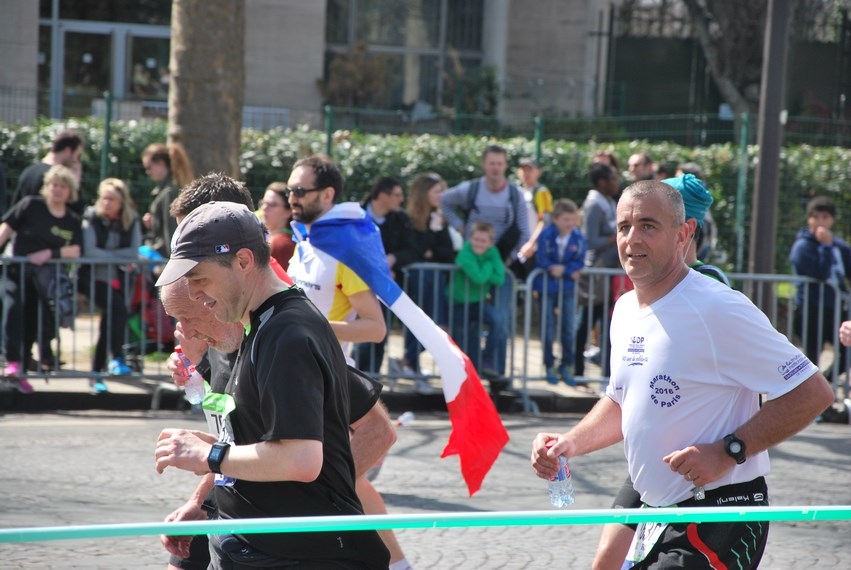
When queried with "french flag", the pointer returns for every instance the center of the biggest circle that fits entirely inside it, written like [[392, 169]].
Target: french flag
[[478, 435]]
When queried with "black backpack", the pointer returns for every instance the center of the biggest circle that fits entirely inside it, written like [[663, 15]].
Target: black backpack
[[510, 239]]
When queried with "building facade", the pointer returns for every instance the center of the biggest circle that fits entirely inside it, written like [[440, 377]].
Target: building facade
[[62, 55]]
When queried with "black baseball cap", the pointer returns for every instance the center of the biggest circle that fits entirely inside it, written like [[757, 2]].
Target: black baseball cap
[[213, 229]]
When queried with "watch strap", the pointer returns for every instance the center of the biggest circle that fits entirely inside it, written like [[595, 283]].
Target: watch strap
[[731, 443], [216, 456]]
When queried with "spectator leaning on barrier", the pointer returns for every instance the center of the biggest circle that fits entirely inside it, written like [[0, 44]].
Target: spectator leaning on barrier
[[111, 233], [690, 358], [480, 269], [45, 228], [283, 449], [819, 254], [561, 254], [432, 244], [494, 200]]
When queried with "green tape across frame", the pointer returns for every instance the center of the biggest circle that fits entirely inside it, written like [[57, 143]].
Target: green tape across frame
[[432, 520]]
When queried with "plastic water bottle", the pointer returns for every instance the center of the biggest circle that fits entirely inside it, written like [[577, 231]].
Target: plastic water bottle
[[194, 389], [561, 486], [405, 419]]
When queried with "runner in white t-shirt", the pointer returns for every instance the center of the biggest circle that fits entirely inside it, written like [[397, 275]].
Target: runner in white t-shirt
[[689, 359]]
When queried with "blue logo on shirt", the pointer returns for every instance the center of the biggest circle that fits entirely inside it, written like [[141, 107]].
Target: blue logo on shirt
[[793, 366], [664, 391], [635, 352]]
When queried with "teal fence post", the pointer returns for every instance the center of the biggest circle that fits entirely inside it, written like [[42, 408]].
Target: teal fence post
[[329, 130], [741, 190], [107, 122], [539, 135]]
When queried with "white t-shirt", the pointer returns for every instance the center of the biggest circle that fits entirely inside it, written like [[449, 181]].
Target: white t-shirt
[[328, 284], [688, 370]]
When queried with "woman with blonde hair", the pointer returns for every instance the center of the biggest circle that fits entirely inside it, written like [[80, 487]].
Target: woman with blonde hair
[[45, 228], [432, 244], [111, 233], [169, 167]]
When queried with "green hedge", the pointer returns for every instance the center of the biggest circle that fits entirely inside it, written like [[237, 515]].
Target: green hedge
[[806, 171]]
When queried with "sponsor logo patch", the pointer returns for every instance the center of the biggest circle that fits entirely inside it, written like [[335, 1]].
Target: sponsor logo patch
[[793, 366]]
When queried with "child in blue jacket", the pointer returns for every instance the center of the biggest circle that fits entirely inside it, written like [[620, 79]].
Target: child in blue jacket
[[561, 253]]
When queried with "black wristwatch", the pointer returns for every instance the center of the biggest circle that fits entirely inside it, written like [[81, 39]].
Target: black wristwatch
[[217, 455], [735, 448]]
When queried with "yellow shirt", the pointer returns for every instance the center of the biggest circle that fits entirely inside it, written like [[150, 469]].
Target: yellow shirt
[[327, 283]]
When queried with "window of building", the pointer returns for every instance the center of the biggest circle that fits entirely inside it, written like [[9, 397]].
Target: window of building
[[147, 75], [152, 12], [88, 47], [417, 42]]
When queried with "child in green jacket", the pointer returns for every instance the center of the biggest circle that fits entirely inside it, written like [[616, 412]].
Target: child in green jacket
[[480, 267]]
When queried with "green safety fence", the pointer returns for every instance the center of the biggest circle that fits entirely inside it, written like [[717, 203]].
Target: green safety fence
[[433, 520]]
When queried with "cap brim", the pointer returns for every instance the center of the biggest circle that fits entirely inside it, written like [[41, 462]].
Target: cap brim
[[174, 270]]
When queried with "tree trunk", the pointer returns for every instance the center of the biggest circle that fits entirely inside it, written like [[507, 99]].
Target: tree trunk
[[207, 87]]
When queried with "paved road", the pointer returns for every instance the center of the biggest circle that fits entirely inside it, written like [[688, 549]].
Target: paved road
[[97, 467]]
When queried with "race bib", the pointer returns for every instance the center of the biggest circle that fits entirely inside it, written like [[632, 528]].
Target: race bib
[[643, 541], [217, 408]]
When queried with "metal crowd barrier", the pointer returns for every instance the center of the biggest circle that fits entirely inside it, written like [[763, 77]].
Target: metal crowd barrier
[[427, 283], [775, 293], [147, 333]]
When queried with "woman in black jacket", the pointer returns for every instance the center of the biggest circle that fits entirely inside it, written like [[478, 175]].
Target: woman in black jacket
[[44, 227], [432, 244], [111, 233]]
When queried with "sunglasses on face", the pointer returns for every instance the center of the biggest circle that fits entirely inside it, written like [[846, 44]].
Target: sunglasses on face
[[300, 191]]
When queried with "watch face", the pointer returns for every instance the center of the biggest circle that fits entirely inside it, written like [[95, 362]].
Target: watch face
[[735, 447], [217, 452]]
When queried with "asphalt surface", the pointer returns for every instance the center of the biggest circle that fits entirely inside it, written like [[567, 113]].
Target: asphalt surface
[[96, 467]]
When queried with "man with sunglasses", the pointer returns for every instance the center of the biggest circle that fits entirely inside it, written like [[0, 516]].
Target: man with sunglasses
[[313, 190]]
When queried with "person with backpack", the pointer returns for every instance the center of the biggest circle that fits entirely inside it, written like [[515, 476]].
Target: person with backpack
[[491, 198]]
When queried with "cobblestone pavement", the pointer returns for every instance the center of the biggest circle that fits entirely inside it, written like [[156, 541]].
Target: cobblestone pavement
[[97, 468]]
